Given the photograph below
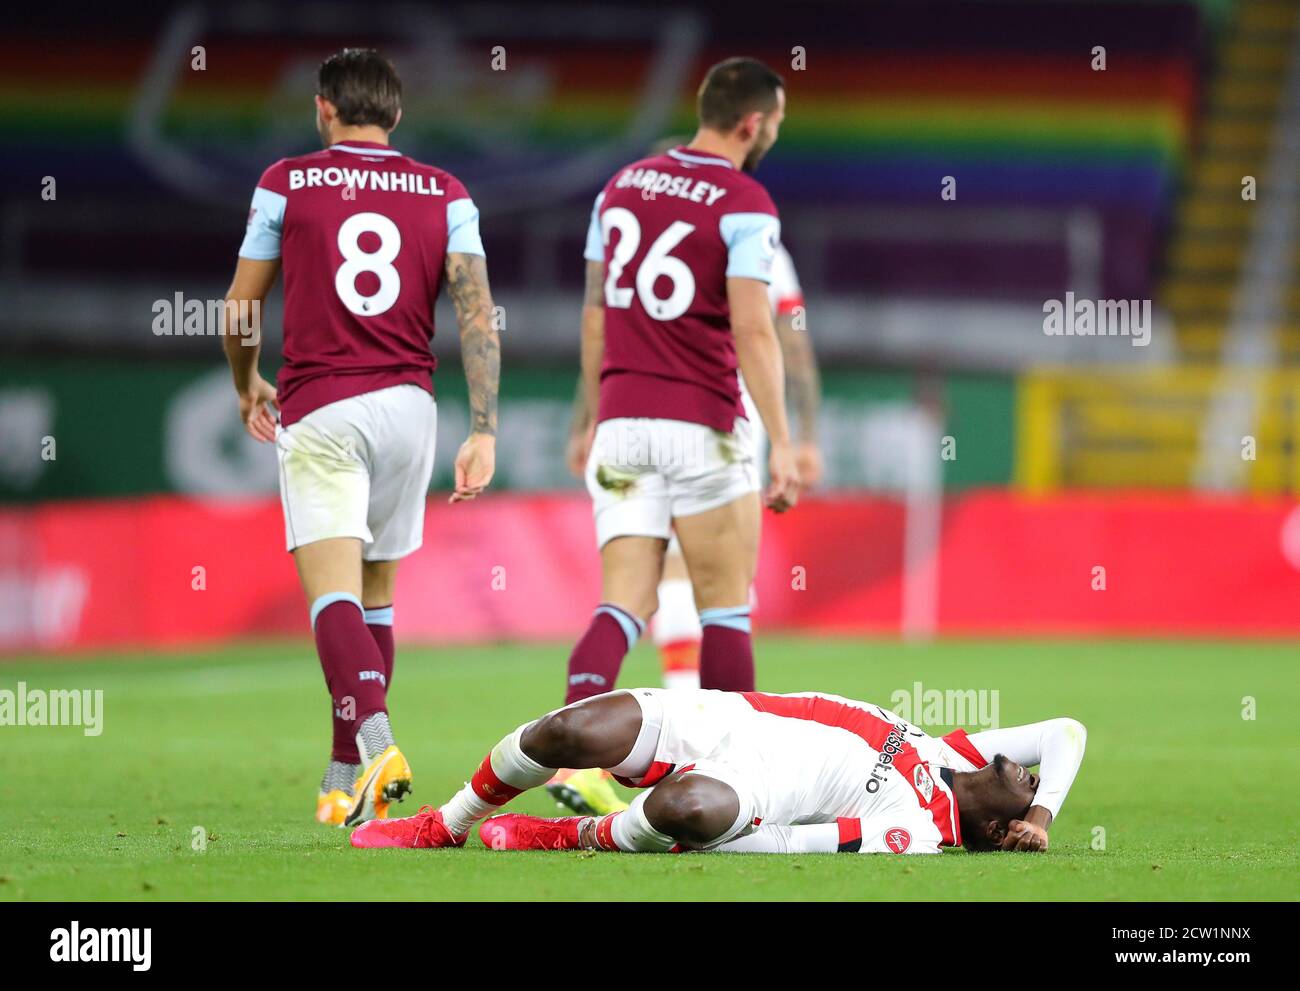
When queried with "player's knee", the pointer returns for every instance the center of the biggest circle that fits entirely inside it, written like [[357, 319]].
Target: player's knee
[[649, 604], [693, 810], [563, 738], [720, 589]]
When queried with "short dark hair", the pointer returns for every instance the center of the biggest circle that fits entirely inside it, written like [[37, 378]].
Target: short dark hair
[[734, 88], [363, 86]]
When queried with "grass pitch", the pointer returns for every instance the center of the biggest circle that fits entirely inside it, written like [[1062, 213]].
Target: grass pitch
[[1193, 800]]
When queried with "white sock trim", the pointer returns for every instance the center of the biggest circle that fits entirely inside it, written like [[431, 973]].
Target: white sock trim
[[516, 768], [631, 830]]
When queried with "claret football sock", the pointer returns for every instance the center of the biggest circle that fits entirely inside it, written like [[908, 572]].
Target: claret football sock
[[726, 650], [596, 658], [379, 620], [353, 666], [506, 772], [345, 737]]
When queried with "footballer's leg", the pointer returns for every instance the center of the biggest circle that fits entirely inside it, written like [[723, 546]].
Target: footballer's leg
[[599, 732], [335, 799], [693, 809], [689, 812], [676, 627], [633, 524], [629, 569], [720, 546], [378, 582], [633, 517], [328, 564], [400, 429], [324, 491], [406, 430], [330, 571]]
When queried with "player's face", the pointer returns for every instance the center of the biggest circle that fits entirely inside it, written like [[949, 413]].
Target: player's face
[[767, 134], [1020, 784]]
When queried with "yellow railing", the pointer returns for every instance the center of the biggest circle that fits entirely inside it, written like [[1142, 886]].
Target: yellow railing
[[1107, 428]]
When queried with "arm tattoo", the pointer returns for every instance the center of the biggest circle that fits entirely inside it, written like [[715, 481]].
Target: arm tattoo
[[480, 346]]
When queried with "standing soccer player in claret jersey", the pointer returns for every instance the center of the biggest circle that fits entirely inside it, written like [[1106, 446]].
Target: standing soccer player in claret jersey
[[676, 625], [679, 255], [365, 236]]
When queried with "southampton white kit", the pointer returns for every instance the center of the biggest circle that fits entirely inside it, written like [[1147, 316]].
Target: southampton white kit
[[869, 780]]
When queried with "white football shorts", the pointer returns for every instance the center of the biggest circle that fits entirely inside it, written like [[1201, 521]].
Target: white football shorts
[[642, 473], [360, 467], [757, 445]]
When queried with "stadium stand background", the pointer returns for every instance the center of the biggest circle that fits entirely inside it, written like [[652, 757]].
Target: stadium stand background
[[1122, 183]]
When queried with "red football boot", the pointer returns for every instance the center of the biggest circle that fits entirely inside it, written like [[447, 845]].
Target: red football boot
[[520, 832], [422, 831]]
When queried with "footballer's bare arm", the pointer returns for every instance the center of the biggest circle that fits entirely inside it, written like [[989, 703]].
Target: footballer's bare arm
[[578, 446], [242, 341], [582, 421], [480, 345], [803, 390], [480, 351], [759, 355], [593, 336]]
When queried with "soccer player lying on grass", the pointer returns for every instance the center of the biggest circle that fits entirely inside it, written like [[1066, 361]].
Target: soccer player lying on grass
[[748, 772]]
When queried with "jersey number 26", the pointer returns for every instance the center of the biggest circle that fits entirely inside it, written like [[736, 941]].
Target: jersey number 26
[[657, 263]]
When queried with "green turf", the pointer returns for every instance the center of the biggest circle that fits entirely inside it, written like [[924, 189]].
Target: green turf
[[1196, 802]]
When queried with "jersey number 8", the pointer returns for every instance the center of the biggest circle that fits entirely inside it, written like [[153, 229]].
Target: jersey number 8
[[657, 263], [379, 261]]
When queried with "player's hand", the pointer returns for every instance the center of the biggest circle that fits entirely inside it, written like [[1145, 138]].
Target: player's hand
[[255, 410], [578, 450], [1025, 837], [476, 461], [808, 457], [783, 478]]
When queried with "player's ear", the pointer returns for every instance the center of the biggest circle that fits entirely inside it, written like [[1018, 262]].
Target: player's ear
[[750, 125], [396, 120], [995, 832]]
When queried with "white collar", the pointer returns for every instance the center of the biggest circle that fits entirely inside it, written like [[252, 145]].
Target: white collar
[[364, 151], [681, 156]]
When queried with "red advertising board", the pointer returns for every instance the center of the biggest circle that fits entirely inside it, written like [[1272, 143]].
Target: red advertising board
[[169, 571]]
